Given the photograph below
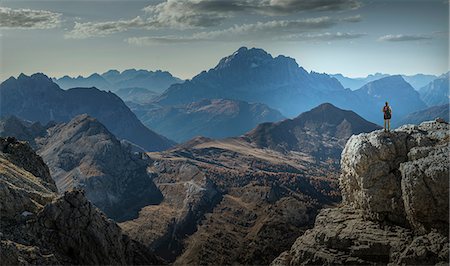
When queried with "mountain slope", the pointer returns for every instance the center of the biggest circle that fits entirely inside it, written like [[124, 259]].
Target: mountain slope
[[37, 227], [215, 118], [37, 98], [402, 98], [253, 75], [84, 154], [431, 113], [436, 92], [234, 201], [321, 131]]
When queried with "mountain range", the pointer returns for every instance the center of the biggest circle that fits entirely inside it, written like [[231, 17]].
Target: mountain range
[[113, 80], [37, 98], [253, 75], [416, 81]]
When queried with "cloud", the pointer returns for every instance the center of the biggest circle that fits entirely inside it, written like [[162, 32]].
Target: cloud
[[353, 19], [28, 19], [404, 38], [327, 36], [200, 14], [101, 29], [207, 13], [283, 30]]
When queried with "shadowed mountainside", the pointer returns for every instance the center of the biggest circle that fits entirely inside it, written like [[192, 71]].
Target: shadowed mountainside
[[36, 98]]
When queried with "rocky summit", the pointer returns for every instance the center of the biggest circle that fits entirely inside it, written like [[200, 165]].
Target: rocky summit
[[38, 227], [395, 206]]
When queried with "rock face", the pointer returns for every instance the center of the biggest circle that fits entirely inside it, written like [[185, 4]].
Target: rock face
[[37, 98], [395, 202], [84, 154], [67, 230]]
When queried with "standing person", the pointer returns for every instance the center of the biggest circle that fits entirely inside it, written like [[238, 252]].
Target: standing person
[[387, 116]]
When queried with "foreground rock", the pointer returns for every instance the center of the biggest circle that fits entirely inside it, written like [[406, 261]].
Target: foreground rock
[[37, 227], [395, 203]]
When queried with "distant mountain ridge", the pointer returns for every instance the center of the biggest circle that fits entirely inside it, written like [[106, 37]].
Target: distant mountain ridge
[[37, 98], [416, 81], [114, 80], [436, 92]]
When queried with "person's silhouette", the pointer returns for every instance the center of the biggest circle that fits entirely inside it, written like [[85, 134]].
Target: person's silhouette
[[387, 116]]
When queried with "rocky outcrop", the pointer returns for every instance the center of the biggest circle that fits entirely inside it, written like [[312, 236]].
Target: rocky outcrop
[[38, 227], [395, 207]]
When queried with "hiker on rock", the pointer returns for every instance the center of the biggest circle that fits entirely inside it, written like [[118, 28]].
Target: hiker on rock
[[387, 116]]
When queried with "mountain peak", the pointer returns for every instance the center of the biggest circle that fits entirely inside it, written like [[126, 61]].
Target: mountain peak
[[245, 57]]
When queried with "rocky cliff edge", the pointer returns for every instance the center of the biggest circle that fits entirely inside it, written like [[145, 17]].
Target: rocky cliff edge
[[395, 207]]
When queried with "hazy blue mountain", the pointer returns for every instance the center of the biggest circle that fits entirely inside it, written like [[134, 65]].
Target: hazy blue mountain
[[416, 81], [94, 80], [431, 113], [436, 92], [394, 89], [216, 118], [356, 83], [419, 80], [136, 95], [38, 98], [253, 75], [113, 80], [157, 81]]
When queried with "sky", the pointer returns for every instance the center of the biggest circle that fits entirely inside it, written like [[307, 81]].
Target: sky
[[185, 37]]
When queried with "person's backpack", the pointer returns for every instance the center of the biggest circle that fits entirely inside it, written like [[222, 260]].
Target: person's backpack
[[387, 111]]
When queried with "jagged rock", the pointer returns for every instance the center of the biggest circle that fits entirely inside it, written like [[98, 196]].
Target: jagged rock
[[67, 230], [25, 182], [80, 234], [395, 203]]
